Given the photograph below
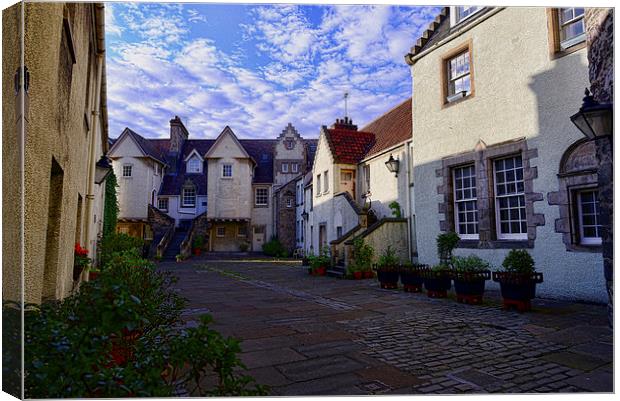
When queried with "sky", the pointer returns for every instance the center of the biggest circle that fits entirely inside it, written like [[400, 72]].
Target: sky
[[255, 68]]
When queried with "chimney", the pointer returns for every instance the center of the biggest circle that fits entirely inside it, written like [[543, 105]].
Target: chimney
[[345, 123], [178, 134]]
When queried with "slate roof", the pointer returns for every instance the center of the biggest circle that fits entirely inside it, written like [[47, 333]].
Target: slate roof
[[392, 128], [311, 145], [147, 146], [440, 28], [347, 145], [261, 150]]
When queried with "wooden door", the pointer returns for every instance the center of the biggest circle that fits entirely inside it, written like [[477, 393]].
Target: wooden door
[[347, 182]]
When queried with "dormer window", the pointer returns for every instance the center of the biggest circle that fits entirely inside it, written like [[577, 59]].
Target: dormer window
[[194, 165], [461, 13]]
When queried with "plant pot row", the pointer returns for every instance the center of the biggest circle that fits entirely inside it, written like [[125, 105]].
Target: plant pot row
[[516, 289]]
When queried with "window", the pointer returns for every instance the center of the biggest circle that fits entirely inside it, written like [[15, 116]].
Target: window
[[289, 143], [156, 168], [459, 81], [227, 170], [242, 231], [366, 170], [571, 26], [261, 197], [325, 182], [338, 232], [220, 231], [463, 12], [465, 202], [162, 204], [318, 185], [127, 170], [589, 224], [294, 167], [289, 202], [285, 167], [510, 199], [189, 197], [193, 166]]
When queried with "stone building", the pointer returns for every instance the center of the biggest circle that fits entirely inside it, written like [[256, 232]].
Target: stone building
[[64, 122], [600, 42], [240, 188], [352, 194], [495, 156]]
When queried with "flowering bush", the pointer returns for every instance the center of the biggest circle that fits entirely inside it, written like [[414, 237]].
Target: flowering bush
[[80, 260]]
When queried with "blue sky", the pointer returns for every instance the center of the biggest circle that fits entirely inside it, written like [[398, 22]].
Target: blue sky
[[255, 67]]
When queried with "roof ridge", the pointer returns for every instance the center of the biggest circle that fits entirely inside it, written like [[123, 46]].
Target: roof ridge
[[427, 34]]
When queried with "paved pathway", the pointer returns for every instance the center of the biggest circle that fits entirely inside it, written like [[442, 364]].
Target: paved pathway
[[305, 335]]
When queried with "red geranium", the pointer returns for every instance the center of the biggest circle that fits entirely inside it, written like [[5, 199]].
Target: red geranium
[[80, 256]]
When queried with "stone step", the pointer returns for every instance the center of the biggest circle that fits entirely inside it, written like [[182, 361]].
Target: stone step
[[336, 272]]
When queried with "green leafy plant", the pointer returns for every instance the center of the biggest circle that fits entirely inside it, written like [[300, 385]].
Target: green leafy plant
[[126, 338], [362, 255], [388, 260], [274, 248], [396, 210], [446, 242], [442, 267], [470, 263], [244, 246], [321, 260], [115, 244], [198, 242], [519, 261], [110, 207]]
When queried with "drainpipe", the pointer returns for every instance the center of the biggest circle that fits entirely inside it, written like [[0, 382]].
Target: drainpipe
[[408, 197], [95, 120]]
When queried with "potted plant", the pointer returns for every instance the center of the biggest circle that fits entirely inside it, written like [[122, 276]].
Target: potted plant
[[93, 273], [354, 272], [197, 244], [319, 264], [470, 274], [411, 276], [387, 269], [179, 258], [80, 261], [244, 246], [437, 280], [446, 242], [518, 280], [362, 259]]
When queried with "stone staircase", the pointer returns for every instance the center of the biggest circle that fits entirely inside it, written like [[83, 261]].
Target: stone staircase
[[338, 271], [174, 247]]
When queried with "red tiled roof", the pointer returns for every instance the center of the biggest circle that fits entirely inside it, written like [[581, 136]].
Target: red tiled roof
[[392, 128], [348, 146]]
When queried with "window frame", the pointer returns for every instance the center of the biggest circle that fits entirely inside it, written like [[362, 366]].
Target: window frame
[[223, 171], [184, 196], [556, 50], [568, 43], [496, 200], [366, 171], [239, 233], [294, 167], [284, 168], [289, 202], [256, 197], [325, 181], [198, 166], [130, 166], [164, 199], [217, 231], [445, 75], [318, 185], [583, 240], [456, 201], [455, 20]]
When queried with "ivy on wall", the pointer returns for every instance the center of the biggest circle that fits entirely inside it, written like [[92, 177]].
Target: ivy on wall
[[110, 209]]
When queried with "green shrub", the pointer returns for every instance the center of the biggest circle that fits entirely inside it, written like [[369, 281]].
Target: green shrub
[[446, 242], [322, 260], [198, 242], [274, 248], [388, 259], [470, 263], [244, 246], [442, 267], [518, 261], [396, 210], [117, 243], [110, 207], [362, 255], [119, 334]]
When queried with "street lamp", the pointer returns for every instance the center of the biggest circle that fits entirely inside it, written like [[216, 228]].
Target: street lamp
[[102, 169], [392, 165], [594, 119]]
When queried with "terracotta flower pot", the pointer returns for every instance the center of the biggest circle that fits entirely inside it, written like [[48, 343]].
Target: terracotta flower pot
[[357, 275], [93, 275], [368, 274], [197, 251]]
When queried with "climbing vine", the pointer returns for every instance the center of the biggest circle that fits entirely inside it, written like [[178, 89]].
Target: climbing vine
[[110, 209]]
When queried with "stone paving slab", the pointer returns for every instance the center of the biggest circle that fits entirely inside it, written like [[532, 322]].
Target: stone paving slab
[[305, 335]]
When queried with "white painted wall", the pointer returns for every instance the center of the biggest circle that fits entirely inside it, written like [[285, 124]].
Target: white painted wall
[[519, 92], [184, 213]]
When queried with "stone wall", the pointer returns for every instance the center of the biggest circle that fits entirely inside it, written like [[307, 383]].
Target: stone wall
[[600, 42], [285, 215]]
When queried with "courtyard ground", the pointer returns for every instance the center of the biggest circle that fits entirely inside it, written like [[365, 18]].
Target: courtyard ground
[[305, 335]]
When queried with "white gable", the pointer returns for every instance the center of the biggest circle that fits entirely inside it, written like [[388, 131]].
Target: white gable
[[125, 146], [227, 146]]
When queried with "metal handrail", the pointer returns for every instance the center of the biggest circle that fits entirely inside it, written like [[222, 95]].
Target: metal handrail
[[165, 241]]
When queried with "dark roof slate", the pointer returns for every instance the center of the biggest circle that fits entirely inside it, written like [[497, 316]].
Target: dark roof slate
[[391, 128]]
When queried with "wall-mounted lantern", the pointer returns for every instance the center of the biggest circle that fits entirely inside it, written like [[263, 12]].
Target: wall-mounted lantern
[[102, 169], [594, 119], [392, 165]]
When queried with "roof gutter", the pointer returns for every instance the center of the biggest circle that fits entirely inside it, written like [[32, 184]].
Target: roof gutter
[[411, 58], [100, 50]]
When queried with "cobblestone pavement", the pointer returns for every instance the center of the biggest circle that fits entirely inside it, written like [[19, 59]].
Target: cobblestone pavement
[[305, 335]]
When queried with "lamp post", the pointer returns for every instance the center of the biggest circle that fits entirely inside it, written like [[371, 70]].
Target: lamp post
[[393, 165], [594, 119]]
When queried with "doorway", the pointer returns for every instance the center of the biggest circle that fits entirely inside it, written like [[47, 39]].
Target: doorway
[[347, 182]]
